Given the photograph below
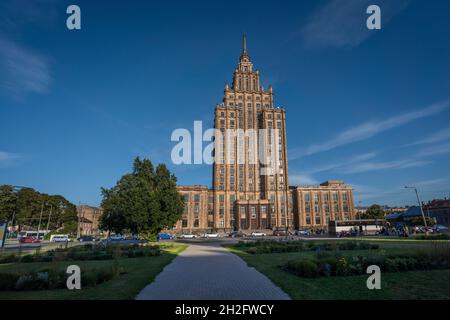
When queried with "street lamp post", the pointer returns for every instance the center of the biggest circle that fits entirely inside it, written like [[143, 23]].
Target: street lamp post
[[421, 209]]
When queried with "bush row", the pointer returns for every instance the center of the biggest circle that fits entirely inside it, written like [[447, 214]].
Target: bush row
[[53, 279], [260, 247], [81, 254], [325, 266]]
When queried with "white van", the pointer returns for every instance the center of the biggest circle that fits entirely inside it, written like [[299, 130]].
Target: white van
[[59, 238]]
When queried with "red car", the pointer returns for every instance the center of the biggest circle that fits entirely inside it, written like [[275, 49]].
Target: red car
[[29, 240]]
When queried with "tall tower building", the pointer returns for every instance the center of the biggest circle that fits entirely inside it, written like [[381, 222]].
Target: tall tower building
[[246, 193], [250, 189]]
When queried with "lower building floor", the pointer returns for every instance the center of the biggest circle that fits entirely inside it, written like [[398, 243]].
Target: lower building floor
[[301, 207]]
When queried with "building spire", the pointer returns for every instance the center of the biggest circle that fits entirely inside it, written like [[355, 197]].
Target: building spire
[[244, 44]]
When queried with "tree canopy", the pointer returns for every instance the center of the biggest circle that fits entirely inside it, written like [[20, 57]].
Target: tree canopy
[[375, 211], [25, 206], [142, 202]]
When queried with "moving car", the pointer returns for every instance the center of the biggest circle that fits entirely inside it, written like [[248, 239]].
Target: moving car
[[187, 236], [258, 234], [29, 240], [165, 236]]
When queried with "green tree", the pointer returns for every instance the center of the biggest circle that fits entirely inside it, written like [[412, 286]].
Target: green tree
[[418, 221], [143, 202], [375, 211], [8, 202], [27, 204]]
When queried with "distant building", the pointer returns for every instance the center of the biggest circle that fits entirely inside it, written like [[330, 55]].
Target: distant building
[[439, 209], [89, 220]]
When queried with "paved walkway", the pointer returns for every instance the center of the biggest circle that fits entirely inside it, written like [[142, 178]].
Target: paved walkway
[[208, 271]]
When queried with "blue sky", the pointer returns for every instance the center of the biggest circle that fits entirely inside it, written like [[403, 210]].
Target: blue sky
[[371, 108]]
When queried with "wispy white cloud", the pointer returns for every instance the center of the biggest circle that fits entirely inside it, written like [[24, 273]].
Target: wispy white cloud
[[384, 165], [438, 149], [398, 195], [438, 136], [302, 179], [8, 158], [22, 71], [342, 23], [368, 130], [343, 163]]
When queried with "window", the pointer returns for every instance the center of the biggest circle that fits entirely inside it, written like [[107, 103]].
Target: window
[[221, 198], [344, 196], [306, 197], [318, 220], [253, 212], [196, 198]]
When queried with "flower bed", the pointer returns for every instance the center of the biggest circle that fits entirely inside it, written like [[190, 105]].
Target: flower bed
[[270, 246], [53, 279], [338, 265], [87, 252]]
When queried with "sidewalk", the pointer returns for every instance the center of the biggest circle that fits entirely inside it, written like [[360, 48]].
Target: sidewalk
[[208, 271]]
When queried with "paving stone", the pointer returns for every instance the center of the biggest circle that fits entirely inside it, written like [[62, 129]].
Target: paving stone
[[208, 271]]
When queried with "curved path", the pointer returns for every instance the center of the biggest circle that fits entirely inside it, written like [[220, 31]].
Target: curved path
[[208, 271]]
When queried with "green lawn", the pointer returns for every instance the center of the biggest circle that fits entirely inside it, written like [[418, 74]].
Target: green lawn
[[139, 273], [401, 285]]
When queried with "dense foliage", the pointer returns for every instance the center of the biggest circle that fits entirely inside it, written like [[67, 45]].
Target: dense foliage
[[142, 202], [375, 211], [26, 204]]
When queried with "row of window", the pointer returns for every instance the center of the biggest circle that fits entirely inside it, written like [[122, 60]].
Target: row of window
[[325, 196]]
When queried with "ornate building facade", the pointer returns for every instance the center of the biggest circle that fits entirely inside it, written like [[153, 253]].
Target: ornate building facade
[[253, 195]]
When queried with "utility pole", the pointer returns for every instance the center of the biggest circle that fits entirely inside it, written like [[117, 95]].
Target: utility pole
[[79, 213], [49, 217], [421, 209], [40, 218]]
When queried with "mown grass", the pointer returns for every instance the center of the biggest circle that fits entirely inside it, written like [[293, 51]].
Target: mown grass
[[402, 285], [138, 272]]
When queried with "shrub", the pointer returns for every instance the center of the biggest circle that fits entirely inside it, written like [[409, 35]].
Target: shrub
[[348, 245], [252, 250], [34, 281], [303, 268], [8, 258], [27, 258], [343, 267], [8, 281]]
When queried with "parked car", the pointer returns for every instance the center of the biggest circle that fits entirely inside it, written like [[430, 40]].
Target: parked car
[[59, 238], [116, 237], [258, 234], [88, 238], [302, 232], [165, 236], [187, 236], [280, 232], [211, 235], [440, 228], [29, 240], [237, 234]]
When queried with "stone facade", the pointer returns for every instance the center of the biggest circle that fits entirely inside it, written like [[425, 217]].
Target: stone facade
[[89, 220], [244, 196]]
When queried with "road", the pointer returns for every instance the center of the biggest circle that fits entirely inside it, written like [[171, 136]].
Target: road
[[208, 271]]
